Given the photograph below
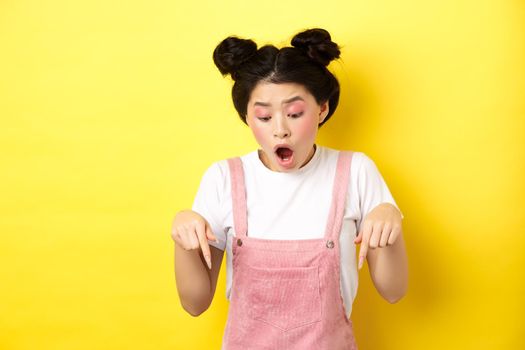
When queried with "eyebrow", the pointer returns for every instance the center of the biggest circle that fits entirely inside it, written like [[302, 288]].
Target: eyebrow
[[290, 100]]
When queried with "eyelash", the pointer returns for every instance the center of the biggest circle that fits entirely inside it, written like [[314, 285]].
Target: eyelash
[[294, 116]]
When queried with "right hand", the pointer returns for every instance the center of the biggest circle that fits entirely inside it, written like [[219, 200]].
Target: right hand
[[191, 231]]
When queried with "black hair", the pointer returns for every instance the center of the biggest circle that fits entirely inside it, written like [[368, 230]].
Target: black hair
[[303, 63]]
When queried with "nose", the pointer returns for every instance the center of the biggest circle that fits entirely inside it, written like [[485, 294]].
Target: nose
[[281, 129]]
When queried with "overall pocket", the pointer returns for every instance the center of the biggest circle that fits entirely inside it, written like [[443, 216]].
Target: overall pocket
[[285, 298]]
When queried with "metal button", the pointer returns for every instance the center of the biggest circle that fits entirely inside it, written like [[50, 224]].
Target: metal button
[[330, 244], [239, 242]]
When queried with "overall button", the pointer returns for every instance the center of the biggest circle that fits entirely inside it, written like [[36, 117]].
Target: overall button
[[239, 242], [330, 244]]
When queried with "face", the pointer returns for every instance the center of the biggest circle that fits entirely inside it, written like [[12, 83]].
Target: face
[[284, 119]]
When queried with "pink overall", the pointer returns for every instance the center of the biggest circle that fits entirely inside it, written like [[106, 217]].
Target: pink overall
[[286, 294]]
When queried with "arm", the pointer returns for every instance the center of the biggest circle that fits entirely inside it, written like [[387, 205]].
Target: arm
[[389, 270], [386, 256], [380, 233], [196, 283]]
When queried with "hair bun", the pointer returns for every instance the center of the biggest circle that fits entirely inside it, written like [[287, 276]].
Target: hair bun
[[232, 52], [317, 44]]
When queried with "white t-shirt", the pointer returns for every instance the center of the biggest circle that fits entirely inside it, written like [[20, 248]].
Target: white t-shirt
[[293, 205]]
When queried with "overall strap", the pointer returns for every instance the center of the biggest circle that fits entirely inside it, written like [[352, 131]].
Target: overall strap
[[339, 192], [238, 191]]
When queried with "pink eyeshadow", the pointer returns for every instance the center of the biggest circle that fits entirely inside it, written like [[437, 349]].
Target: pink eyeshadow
[[260, 112], [296, 107]]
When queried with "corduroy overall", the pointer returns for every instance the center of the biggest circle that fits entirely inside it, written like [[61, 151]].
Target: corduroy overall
[[286, 294]]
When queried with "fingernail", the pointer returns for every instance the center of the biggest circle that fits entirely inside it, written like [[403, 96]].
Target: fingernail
[[208, 261], [360, 262]]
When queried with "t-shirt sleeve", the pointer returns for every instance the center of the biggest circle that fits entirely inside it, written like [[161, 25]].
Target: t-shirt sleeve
[[372, 188], [208, 200]]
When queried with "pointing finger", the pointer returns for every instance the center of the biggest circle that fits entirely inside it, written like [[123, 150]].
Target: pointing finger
[[200, 229], [359, 237], [363, 250], [210, 235]]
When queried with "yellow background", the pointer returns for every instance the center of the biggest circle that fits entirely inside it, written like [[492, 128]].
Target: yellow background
[[111, 111]]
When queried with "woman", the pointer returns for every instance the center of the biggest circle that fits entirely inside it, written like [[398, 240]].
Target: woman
[[289, 213]]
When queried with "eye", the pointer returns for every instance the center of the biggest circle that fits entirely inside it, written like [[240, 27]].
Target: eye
[[295, 115], [263, 119]]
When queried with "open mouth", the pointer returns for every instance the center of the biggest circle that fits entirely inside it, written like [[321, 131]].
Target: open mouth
[[284, 153]]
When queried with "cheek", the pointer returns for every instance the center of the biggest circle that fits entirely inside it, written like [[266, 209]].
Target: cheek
[[308, 127], [258, 133]]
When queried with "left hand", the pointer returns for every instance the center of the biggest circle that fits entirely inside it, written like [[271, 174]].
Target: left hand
[[380, 228]]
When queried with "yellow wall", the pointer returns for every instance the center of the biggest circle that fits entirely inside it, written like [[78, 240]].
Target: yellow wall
[[111, 111]]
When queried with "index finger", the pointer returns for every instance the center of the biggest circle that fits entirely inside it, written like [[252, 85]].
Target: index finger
[[363, 250], [201, 235]]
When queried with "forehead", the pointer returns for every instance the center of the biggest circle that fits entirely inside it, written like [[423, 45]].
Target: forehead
[[276, 94]]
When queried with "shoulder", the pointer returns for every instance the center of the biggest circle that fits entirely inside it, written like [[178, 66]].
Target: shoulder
[[220, 170], [214, 177], [364, 169], [215, 170], [359, 159], [362, 161]]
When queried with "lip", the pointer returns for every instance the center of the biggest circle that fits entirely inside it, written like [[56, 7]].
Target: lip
[[284, 145], [286, 164]]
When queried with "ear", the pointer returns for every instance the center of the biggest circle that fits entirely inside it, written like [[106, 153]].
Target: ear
[[325, 108]]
